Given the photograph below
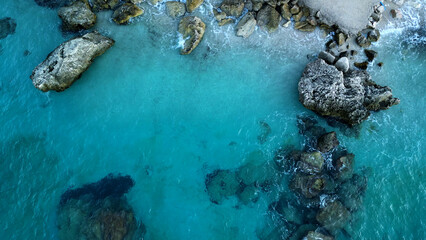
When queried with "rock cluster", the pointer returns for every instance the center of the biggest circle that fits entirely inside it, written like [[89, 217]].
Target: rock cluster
[[347, 97], [326, 189], [68, 61], [98, 211], [246, 182]]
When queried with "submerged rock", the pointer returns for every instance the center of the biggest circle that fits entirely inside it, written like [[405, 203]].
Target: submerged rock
[[343, 167], [351, 192], [317, 236], [348, 98], [125, 12], [7, 27], [334, 216], [310, 162], [232, 7], [308, 185], [192, 29], [68, 61], [247, 25], [98, 211], [78, 16], [221, 184], [249, 194], [175, 9], [191, 5], [269, 18]]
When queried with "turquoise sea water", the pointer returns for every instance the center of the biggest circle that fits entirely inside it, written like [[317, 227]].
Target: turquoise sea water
[[168, 120]]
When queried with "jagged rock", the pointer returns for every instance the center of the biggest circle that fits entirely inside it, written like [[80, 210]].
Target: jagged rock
[[295, 9], [192, 29], [221, 184], [285, 12], [342, 64], [68, 61], [334, 216], [7, 27], [343, 167], [175, 9], [326, 91], [268, 17], [232, 7], [361, 65], [328, 142], [395, 13], [327, 57], [257, 5], [312, 21], [371, 54], [78, 16], [308, 185], [317, 236], [304, 26], [191, 5], [247, 25], [373, 36], [219, 15], [226, 21], [362, 41], [310, 162], [125, 12], [104, 4], [298, 17]]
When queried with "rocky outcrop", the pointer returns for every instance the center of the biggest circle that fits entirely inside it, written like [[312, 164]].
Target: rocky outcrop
[[349, 98], [68, 61], [192, 30], [232, 7], [125, 12], [246, 26], [78, 16], [191, 5], [98, 211], [269, 18], [7, 27], [104, 4], [175, 9]]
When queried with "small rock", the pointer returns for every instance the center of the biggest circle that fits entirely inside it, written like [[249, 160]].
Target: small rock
[[361, 65], [191, 5], [373, 36], [395, 13], [341, 39], [226, 21], [328, 142], [219, 15], [380, 64], [371, 54], [175, 9], [295, 10], [286, 24], [125, 12], [327, 57], [246, 26], [232, 7], [192, 29], [298, 16], [334, 216], [376, 17], [380, 9], [362, 41], [342, 64], [268, 17], [285, 12], [77, 16]]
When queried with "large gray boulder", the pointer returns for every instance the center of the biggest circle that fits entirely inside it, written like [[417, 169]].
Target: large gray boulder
[[349, 98], [68, 61], [246, 26], [78, 16]]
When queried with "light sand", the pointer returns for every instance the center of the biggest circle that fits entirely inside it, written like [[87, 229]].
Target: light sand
[[350, 15]]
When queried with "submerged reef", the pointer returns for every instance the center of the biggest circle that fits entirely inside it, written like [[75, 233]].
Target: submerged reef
[[99, 211], [68, 61], [7, 27]]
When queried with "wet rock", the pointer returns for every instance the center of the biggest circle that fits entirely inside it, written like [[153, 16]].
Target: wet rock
[[328, 142], [351, 192], [257, 5], [327, 57], [361, 65], [317, 236], [308, 185], [326, 91], [99, 5], [78, 16], [192, 29], [247, 25], [249, 194], [125, 12], [343, 167], [175, 9], [304, 26], [226, 21], [269, 18], [52, 3], [373, 36], [7, 27], [295, 9], [380, 64], [371, 54], [265, 131], [362, 41], [286, 158], [285, 11], [395, 13], [310, 162], [221, 184], [334, 216], [68, 61], [341, 39], [342, 64], [219, 15], [232, 7], [298, 17], [191, 5]]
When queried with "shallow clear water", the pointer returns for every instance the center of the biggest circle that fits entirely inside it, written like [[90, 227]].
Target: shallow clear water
[[168, 120]]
